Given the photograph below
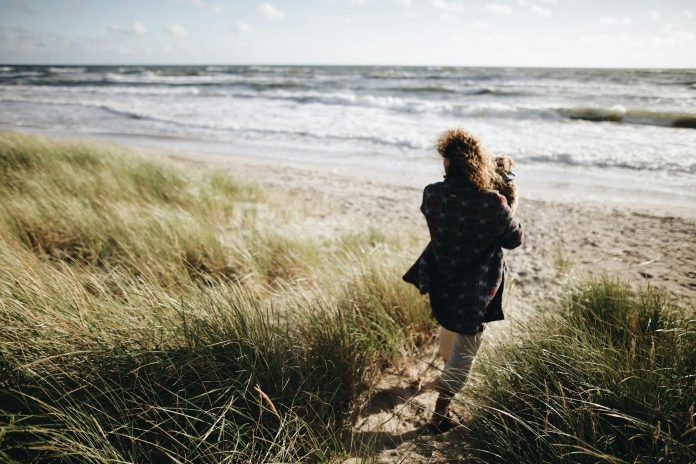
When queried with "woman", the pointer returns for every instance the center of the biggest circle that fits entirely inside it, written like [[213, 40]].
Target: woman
[[462, 267]]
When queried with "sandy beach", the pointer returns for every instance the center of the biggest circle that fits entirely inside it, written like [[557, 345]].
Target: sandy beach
[[563, 239]]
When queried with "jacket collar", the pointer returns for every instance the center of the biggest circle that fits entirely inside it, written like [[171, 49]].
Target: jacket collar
[[458, 181]]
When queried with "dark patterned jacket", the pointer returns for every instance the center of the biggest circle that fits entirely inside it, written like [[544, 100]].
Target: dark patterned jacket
[[462, 267]]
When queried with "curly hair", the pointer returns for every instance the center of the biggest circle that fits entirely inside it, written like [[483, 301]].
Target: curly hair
[[467, 158]]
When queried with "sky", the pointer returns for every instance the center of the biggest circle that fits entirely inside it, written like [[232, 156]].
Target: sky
[[553, 33]]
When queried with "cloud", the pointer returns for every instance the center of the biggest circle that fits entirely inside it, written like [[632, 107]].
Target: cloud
[[20, 5], [614, 21], [176, 30], [404, 3], [190, 2], [499, 9], [448, 6], [688, 14], [654, 14], [270, 11], [671, 37], [548, 1], [603, 40], [139, 28], [541, 11], [242, 27], [18, 41], [73, 4], [136, 28]]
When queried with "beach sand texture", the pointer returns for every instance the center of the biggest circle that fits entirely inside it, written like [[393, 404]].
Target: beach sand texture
[[561, 238]]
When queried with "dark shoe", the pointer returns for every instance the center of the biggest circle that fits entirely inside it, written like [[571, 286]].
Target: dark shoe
[[445, 425]]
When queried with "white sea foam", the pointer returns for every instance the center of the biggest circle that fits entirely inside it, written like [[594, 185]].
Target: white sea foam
[[630, 120]]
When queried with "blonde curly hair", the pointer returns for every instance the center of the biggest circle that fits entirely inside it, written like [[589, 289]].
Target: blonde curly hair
[[467, 158]]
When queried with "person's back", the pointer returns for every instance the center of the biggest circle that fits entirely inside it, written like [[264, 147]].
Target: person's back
[[462, 267], [467, 227]]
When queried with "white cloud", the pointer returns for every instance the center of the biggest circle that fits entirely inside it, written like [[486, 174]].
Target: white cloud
[[614, 21], [449, 17], [136, 28], [541, 11], [548, 1], [688, 14], [654, 14], [190, 2], [448, 6], [242, 27], [20, 41], [176, 30], [522, 2], [498, 8], [270, 11], [683, 35], [603, 40], [20, 5], [404, 3], [139, 28], [358, 2], [72, 4], [672, 37]]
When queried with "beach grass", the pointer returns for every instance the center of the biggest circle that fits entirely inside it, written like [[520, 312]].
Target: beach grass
[[610, 376], [152, 314]]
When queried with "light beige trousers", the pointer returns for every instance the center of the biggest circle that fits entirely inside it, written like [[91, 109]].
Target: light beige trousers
[[460, 354]]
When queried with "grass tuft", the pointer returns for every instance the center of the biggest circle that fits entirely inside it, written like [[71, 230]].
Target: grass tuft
[[609, 379]]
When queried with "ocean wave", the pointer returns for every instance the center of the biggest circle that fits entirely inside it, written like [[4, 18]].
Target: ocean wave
[[293, 90], [101, 106], [620, 114], [395, 141], [20, 74], [567, 159], [617, 113], [444, 89], [39, 93], [66, 69], [153, 78], [423, 89]]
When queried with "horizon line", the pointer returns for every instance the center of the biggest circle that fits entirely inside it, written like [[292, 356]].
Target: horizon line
[[336, 65]]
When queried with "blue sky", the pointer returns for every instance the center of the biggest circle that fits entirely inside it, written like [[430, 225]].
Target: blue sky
[[638, 33]]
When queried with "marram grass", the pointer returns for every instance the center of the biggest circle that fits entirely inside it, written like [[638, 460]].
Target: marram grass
[[151, 314], [609, 377], [145, 316]]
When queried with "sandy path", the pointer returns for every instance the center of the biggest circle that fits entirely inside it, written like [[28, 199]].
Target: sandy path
[[563, 242]]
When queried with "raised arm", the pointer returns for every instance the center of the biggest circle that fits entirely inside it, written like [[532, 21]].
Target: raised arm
[[511, 234]]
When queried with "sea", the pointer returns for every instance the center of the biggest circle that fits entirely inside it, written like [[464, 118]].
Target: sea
[[587, 134]]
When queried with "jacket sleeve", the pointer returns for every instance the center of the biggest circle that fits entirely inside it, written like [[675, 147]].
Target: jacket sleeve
[[511, 233], [424, 205]]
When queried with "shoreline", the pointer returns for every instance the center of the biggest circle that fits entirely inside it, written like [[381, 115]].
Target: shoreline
[[564, 240], [604, 189]]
